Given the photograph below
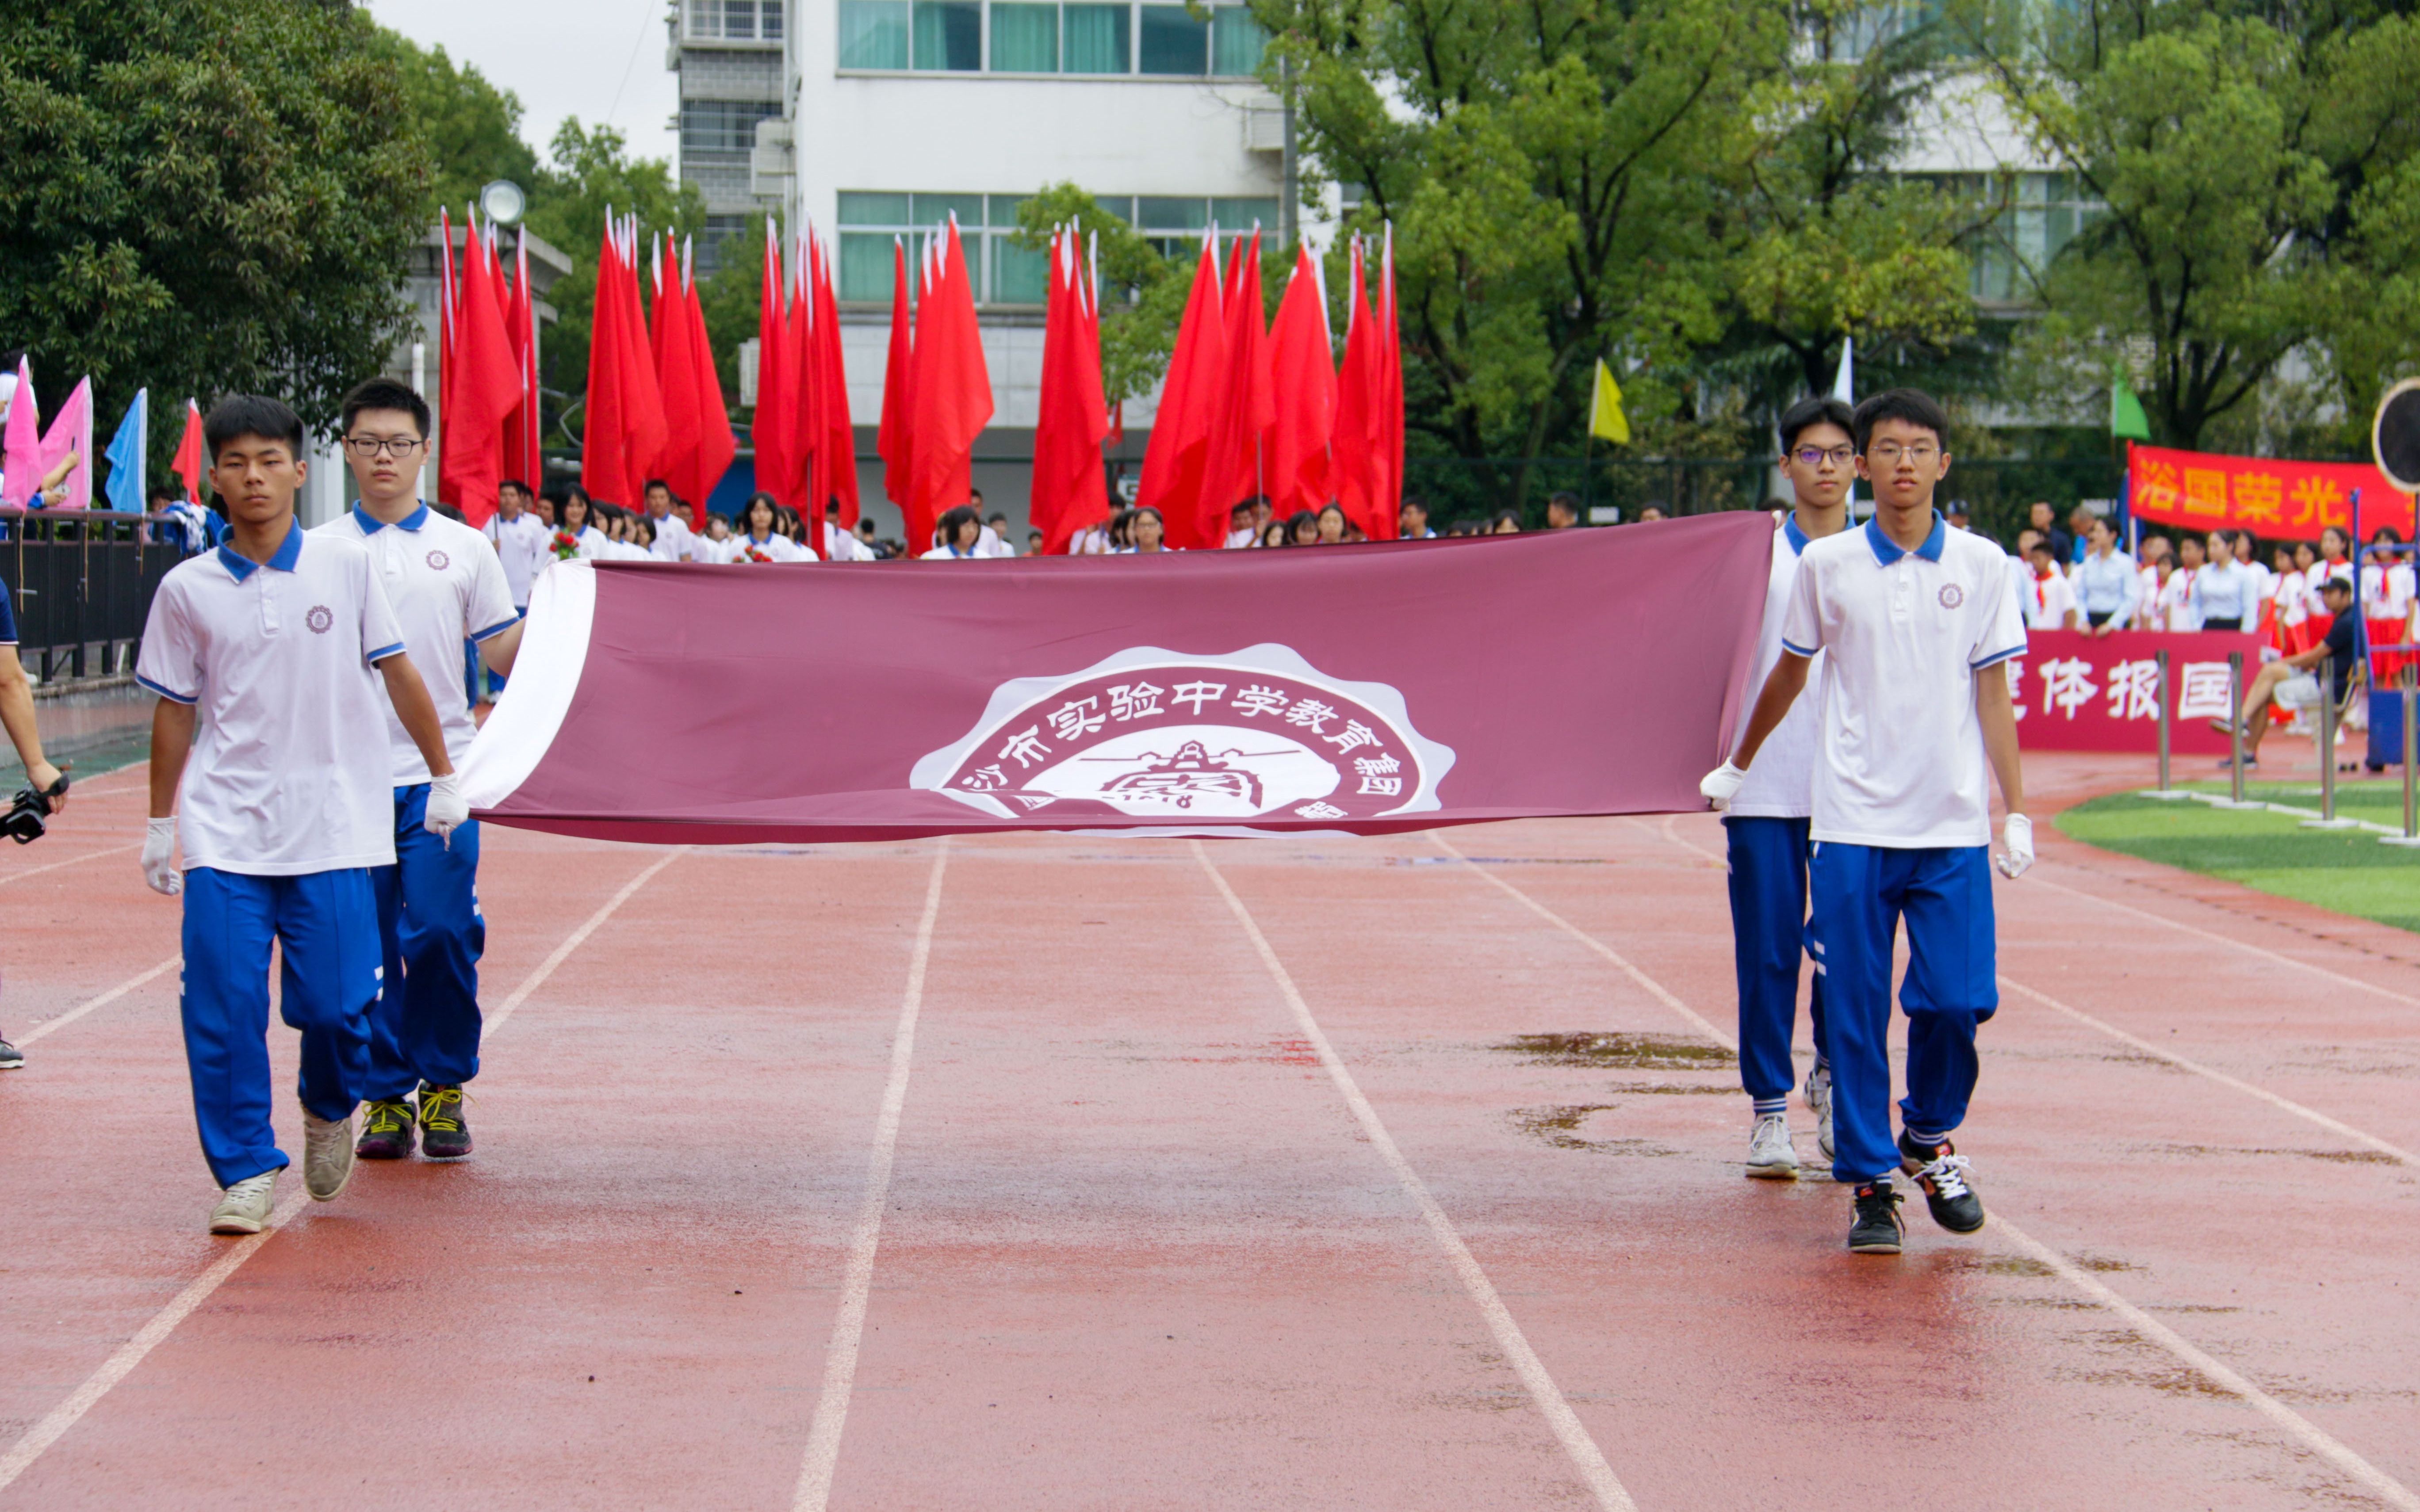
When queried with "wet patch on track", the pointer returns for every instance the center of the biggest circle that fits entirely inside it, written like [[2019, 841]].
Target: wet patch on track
[[1628, 1052], [1559, 1126]]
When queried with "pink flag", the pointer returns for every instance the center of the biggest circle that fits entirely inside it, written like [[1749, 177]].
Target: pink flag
[[1201, 692], [21, 454], [70, 434]]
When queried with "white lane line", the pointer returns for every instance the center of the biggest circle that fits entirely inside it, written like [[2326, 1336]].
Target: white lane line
[[2298, 1427], [2147, 1047], [857, 1285], [2181, 1062], [57, 1421], [2226, 939], [1585, 1456], [104, 1000], [72, 860], [573, 941], [129, 1354], [1646, 983]]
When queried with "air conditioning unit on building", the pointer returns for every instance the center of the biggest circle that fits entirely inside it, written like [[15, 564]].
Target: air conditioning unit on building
[[1264, 125], [771, 162]]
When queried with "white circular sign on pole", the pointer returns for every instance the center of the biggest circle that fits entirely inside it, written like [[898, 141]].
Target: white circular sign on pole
[[502, 202]]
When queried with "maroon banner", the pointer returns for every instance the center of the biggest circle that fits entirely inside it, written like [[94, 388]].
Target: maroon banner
[[1368, 690], [2078, 692]]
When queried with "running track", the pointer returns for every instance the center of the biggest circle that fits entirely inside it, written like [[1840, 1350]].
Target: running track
[[1058, 1173]]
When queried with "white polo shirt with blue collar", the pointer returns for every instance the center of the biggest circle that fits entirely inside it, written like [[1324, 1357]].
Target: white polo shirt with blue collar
[[289, 773], [1781, 785], [1904, 634], [446, 585]]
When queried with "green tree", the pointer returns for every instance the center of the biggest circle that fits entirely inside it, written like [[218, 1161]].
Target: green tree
[[470, 130], [204, 196], [1553, 170], [592, 171], [2245, 157]]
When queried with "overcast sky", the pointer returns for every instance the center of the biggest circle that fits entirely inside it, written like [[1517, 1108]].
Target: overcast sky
[[601, 60]]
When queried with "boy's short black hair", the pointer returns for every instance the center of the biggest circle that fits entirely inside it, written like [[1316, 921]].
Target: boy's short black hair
[[525, 490], [386, 394], [164, 493], [713, 515], [1909, 405], [654, 483], [251, 414], [1808, 413]]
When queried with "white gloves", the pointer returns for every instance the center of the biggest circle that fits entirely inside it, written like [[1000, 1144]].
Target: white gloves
[[447, 811], [160, 857], [2018, 836], [1722, 784]]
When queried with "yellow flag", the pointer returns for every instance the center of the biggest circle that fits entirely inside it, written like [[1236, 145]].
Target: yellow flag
[[1605, 418]]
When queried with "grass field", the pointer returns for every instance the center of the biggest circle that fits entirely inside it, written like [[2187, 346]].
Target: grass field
[[2344, 869]]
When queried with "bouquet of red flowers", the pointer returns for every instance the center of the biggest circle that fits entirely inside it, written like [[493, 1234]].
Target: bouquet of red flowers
[[567, 546], [755, 553]]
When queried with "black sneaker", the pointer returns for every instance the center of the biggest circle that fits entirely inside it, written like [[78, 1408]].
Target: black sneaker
[[1942, 1172], [10, 1057], [443, 1136], [1877, 1230], [386, 1130]]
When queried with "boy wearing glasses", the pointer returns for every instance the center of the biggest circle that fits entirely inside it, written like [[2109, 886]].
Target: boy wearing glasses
[[448, 586], [1914, 620], [268, 655], [1765, 828]]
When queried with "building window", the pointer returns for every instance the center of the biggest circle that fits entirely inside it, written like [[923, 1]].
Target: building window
[[1173, 43], [874, 34], [735, 20], [1002, 273], [948, 35], [719, 229], [2049, 209], [1024, 39], [724, 129], [1034, 36]]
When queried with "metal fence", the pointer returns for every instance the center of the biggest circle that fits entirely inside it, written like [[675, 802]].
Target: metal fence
[[1998, 492], [82, 582]]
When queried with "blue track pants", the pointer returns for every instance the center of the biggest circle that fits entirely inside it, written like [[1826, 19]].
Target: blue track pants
[[425, 1026], [1860, 894], [1768, 887], [326, 927]]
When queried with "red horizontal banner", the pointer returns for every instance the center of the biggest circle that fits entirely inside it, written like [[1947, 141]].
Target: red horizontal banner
[[1365, 688], [2077, 691], [2273, 499]]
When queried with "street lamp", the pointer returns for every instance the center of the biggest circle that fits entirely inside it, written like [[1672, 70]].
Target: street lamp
[[502, 202]]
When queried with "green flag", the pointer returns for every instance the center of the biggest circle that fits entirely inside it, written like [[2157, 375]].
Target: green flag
[[2127, 421]]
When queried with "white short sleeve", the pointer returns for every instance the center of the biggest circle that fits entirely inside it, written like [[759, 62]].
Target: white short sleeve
[[170, 665], [382, 632], [2000, 623], [1802, 625], [490, 612]]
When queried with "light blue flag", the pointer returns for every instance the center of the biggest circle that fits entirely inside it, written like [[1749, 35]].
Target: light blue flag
[[129, 455]]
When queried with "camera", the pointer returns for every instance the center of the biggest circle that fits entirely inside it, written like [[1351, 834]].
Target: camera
[[24, 822]]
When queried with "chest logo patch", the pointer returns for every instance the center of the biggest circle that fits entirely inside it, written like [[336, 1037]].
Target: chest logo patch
[[436, 560], [1953, 595], [1153, 732], [319, 619]]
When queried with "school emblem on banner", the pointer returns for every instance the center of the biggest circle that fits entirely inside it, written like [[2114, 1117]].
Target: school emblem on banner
[[1154, 733]]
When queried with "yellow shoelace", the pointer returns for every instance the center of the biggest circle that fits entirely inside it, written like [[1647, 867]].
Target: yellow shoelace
[[385, 1117], [437, 1108]]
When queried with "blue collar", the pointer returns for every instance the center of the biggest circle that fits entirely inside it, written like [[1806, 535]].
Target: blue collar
[[371, 526], [289, 551], [1887, 550], [1790, 532]]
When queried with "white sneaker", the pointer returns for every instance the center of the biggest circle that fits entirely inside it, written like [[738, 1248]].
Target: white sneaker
[[244, 1207], [1819, 1101], [327, 1155], [1769, 1154]]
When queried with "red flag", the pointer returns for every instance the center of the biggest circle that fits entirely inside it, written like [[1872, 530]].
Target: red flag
[[839, 469], [1231, 472], [188, 465], [776, 423], [814, 391], [715, 445], [953, 396], [448, 302], [676, 381], [895, 437], [604, 452], [1188, 401], [1353, 452], [648, 437], [806, 394], [1070, 492], [523, 457], [487, 387], [1302, 379], [1389, 502]]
